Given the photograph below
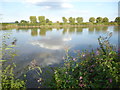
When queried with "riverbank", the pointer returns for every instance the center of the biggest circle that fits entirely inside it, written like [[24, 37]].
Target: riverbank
[[49, 26]]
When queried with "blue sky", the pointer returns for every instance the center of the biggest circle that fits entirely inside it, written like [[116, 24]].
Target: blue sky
[[12, 10]]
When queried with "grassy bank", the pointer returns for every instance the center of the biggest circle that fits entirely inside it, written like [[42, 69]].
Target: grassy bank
[[54, 25]]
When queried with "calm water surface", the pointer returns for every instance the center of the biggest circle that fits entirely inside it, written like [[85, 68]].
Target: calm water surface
[[47, 46]]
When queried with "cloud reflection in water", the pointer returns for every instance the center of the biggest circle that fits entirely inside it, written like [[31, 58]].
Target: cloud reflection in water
[[52, 43]]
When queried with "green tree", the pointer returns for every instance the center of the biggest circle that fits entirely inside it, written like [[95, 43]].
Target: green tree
[[72, 20], [42, 20], [99, 20], [92, 19], [79, 20], [23, 21], [57, 22], [50, 22], [16, 22], [47, 20], [105, 20], [64, 20], [33, 19], [117, 19]]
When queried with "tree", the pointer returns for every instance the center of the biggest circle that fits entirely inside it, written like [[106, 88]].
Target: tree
[[99, 20], [47, 20], [33, 19], [72, 20], [50, 22], [64, 19], [57, 22], [117, 19], [16, 22], [105, 20], [42, 20], [23, 21], [79, 20], [92, 20]]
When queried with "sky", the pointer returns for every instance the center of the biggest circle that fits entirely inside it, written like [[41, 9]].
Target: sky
[[16, 10]]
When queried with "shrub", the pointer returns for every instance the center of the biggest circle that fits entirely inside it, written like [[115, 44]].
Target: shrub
[[96, 69], [8, 80]]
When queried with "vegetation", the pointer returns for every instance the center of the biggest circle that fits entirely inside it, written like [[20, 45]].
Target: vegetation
[[105, 20], [7, 66], [66, 21], [92, 20], [72, 20], [42, 20], [79, 20], [8, 80], [96, 69], [99, 20], [117, 20], [23, 21], [33, 19]]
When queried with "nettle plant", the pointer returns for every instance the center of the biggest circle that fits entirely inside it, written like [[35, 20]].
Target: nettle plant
[[98, 68], [8, 80]]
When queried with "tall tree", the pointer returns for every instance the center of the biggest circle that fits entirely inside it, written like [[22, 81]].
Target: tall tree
[[72, 20], [33, 19], [105, 20], [42, 20], [64, 19], [92, 19], [79, 20], [99, 20]]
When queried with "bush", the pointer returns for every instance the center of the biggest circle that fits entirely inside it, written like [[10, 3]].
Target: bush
[[96, 69], [8, 80]]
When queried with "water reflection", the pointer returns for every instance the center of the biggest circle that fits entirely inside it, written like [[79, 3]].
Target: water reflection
[[105, 28], [66, 30], [52, 42], [117, 28], [79, 30], [43, 31], [34, 32], [71, 30], [46, 45], [91, 30]]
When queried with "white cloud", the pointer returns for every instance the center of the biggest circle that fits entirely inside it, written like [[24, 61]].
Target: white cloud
[[47, 7], [67, 5]]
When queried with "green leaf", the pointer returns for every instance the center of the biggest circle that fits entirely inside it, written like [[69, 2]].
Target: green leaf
[[8, 48], [11, 45], [3, 60]]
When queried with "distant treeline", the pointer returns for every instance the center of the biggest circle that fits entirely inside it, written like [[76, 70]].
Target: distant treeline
[[41, 20]]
